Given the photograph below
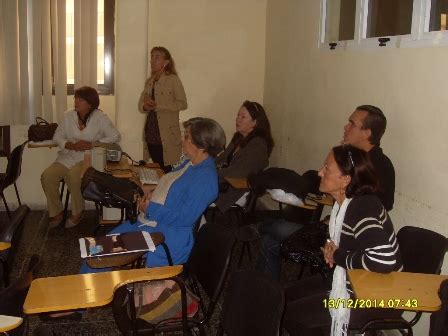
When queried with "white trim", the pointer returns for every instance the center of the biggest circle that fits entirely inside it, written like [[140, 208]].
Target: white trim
[[322, 44], [323, 20], [420, 35], [374, 43]]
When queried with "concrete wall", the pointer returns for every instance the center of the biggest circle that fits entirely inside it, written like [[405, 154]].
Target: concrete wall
[[310, 93]]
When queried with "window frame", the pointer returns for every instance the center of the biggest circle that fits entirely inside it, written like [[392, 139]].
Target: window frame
[[322, 29], [419, 36], [108, 88]]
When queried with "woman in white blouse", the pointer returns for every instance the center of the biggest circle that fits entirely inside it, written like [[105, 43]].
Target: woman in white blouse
[[81, 127]]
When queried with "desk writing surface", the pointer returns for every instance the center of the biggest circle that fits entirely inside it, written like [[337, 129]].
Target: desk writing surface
[[8, 323], [42, 144], [401, 286], [120, 169], [4, 246], [86, 290], [325, 199], [237, 182]]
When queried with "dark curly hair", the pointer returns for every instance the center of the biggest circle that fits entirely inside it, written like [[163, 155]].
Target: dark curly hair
[[90, 95], [355, 162]]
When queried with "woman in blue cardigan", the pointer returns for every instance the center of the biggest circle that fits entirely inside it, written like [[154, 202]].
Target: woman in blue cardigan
[[182, 195]]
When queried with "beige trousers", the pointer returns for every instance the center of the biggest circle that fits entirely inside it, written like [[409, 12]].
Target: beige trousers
[[50, 179]]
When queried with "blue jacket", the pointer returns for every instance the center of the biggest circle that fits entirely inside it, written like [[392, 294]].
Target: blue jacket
[[187, 199]]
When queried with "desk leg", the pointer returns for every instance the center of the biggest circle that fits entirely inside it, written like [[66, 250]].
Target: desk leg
[[130, 289], [5, 272], [317, 213]]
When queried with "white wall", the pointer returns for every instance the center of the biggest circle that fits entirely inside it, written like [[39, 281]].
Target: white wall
[[310, 93], [219, 49]]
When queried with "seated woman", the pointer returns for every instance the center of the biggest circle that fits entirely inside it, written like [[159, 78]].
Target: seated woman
[[181, 195], [81, 127], [362, 237], [247, 153]]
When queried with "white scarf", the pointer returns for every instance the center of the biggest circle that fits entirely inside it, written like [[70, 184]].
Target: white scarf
[[341, 315], [161, 192]]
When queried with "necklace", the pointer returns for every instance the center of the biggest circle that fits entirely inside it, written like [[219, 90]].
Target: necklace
[[82, 122]]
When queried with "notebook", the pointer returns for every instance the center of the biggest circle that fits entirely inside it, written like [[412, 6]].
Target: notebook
[[128, 242]]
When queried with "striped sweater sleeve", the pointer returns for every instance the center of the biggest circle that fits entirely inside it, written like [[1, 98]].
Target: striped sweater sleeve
[[368, 240]]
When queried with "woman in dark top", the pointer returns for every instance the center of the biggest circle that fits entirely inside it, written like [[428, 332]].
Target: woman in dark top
[[247, 153], [361, 237]]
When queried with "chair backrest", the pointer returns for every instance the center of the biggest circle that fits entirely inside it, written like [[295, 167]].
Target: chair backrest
[[422, 250], [14, 167], [11, 232], [253, 305], [13, 297], [210, 259], [439, 319], [312, 181]]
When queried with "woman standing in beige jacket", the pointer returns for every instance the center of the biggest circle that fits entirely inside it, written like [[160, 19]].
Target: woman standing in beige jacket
[[162, 99]]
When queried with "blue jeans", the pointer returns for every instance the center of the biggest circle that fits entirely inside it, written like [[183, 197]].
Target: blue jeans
[[274, 232]]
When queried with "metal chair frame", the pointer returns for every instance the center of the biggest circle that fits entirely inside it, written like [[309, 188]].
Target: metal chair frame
[[12, 173]]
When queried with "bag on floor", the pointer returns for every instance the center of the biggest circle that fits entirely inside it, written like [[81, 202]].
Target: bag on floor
[[42, 130], [159, 300]]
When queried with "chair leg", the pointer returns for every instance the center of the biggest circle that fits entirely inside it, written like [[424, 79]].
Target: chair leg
[[6, 205], [168, 254], [246, 246], [130, 289], [302, 268], [67, 198], [17, 193], [240, 260], [5, 272], [62, 189]]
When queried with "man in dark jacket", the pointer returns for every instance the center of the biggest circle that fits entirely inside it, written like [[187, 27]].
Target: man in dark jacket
[[364, 130]]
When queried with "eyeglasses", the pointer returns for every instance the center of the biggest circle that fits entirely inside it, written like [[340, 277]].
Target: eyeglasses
[[186, 135], [351, 158]]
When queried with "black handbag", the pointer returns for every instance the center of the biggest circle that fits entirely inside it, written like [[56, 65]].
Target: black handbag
[[303, 247], [42, 130], [111, 192]]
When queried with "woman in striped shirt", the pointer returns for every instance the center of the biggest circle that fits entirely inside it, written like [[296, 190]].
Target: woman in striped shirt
[[361, 237]]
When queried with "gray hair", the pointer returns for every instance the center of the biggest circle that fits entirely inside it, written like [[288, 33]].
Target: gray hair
[[206, 134]]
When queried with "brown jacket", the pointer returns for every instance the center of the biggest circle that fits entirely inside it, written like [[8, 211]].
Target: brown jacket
[[248, 160], [171, 99]]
